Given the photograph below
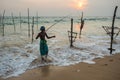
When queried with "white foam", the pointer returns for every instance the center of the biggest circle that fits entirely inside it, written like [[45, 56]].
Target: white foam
[[89, 62], [16, 60]]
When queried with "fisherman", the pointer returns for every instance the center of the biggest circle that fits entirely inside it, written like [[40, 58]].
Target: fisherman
[[82, 24], [81, 27], [43, 43]]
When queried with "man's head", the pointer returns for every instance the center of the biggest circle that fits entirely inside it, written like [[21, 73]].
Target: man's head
[[42, 28]]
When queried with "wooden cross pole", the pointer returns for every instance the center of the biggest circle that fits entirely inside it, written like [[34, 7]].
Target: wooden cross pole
[[112, 30]]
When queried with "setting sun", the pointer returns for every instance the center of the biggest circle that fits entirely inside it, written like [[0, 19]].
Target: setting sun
[[79, 4]]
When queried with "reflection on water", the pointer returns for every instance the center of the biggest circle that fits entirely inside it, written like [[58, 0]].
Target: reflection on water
[[45, 71]]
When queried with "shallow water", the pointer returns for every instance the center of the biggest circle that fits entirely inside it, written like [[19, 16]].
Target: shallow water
[[17, 54]]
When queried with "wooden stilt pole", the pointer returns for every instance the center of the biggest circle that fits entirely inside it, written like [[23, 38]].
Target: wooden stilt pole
[[71, 42], [28, 24], [112, 30], [20, 20], [13, 22], [32, 28], [3, 22], [82, 17], [37, 20], [0, 19]]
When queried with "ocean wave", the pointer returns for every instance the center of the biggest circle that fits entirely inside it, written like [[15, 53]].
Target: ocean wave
[[8, 20], [22, 58], [95, 19]]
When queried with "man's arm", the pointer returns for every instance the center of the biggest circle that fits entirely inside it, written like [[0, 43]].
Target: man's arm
[[37, 36], [48, 36]]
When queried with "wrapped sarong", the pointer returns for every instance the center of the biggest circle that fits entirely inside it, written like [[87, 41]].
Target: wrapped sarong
[[43, 47]]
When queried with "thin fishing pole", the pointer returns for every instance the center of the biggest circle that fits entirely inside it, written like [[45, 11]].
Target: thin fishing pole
[[55, 23]]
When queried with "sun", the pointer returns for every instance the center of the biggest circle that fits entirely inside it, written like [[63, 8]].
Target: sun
[[79, 4]]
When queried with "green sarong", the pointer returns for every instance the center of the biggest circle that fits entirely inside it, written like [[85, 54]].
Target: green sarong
[[43, 47]]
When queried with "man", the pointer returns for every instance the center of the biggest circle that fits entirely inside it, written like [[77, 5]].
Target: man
[[43, 43]]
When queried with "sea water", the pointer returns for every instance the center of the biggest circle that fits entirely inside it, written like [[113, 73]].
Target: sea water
[[18, 54]]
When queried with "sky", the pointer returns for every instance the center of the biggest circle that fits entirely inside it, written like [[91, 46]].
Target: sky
[[60, 7]]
